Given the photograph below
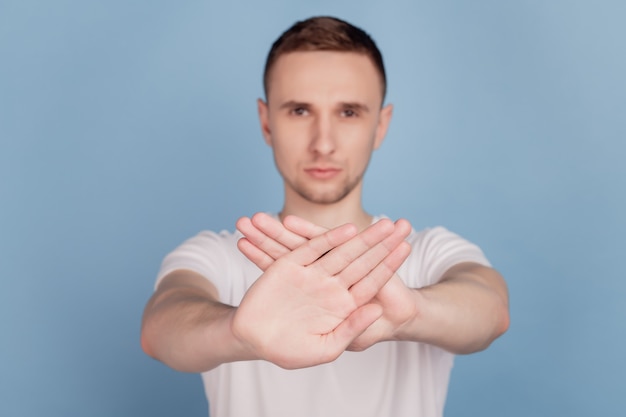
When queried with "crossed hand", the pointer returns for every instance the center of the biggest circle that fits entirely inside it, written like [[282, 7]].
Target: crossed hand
[[322, 291]]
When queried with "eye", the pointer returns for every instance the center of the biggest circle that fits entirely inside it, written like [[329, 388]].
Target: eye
[[349, 113], [300, 111]]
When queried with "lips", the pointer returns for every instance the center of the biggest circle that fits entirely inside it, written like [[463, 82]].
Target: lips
[[322, 173]]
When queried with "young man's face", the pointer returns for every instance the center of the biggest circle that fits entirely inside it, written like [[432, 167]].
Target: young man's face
[[323, 119]]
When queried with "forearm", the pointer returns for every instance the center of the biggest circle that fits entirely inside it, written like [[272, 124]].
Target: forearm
[[463, 313], [189, 331]]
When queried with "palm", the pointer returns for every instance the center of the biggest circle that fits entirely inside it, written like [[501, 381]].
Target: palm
[[313, 301], [306, 310], [396, 300], [267, 242]]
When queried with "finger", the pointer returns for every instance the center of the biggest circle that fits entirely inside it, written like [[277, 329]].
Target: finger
[[260, 239], [367, 288], [275, 230], [313, 249], [256, 255], [355, 324], [303, 227], [339, 258], [361, 267]]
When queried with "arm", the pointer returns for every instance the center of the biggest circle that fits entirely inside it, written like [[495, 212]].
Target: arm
[[304, 310], [186, 327], [463, 313]]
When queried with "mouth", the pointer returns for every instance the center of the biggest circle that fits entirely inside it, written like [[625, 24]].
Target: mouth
[[322, 173]]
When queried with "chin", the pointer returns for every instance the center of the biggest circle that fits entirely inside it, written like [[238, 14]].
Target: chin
[[326, 198]]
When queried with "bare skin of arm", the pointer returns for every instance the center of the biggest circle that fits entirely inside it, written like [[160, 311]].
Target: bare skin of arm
[[304, 310], [463, 313]]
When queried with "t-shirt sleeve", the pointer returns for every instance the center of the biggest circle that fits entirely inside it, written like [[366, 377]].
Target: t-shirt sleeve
[[207, 254], [435, 251]]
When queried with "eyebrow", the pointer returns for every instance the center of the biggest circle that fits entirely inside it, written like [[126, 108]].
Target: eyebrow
[[353, 105], [291, 104]]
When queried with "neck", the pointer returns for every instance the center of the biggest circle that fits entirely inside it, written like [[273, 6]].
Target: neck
[[348, 210]]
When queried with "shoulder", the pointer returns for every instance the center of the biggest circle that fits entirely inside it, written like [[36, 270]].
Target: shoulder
[[437, 237], [434, 251], [441, 246], [207, 243], [204, 253], [209, 238]]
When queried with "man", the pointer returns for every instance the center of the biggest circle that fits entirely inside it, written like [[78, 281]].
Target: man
[[323, 309]]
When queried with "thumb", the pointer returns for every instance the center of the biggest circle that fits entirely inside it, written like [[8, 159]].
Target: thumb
[[356, 323]]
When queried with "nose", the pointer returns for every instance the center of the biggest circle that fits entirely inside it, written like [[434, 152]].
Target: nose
[[322, 138]]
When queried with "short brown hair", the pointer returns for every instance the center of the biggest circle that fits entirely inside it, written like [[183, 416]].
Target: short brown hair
[[325, 33]]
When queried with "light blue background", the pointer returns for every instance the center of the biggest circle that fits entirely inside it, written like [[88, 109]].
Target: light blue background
[[128, 126]]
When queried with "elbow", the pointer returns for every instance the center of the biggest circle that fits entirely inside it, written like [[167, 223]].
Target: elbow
[[499, 325], [145, 345], [156, 345], [502, 315], [500, 312], [146, 341], [149, 333], [504, 322]]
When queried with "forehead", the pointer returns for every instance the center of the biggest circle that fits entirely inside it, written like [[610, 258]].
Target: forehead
[[324, 75]]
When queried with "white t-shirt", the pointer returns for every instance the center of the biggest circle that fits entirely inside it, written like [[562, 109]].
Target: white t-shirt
[[393, 379]]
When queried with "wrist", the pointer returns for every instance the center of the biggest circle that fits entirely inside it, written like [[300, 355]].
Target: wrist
[[220, 344], [239, 346], [410, 328]]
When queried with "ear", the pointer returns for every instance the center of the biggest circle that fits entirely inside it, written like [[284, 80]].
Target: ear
[[384, 118], [264, 120]]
